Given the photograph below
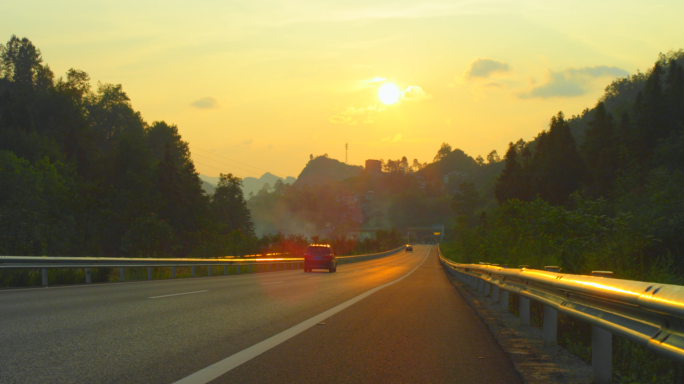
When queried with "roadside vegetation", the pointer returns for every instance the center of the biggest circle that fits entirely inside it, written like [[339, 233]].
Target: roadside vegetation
[[598, 191], [83, 174]]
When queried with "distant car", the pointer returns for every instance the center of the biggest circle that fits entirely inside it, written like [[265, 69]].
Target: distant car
[[320, 256], [409, 248]]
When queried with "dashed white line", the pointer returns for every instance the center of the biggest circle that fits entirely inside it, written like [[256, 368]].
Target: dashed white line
[[177, 294], [220, 368]]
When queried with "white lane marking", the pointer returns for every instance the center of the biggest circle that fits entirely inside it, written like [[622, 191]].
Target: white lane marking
[[274, 282], [178, 294], [222, 367], [119, 283]]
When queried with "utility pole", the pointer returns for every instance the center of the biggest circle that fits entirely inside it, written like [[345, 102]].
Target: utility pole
[[346, 152]]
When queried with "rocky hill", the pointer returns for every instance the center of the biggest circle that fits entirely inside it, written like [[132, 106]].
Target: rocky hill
[[323, 169]]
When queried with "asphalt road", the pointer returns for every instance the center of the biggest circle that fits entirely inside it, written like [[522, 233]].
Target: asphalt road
[[396, 319]]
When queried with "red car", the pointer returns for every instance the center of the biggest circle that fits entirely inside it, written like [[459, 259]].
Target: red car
[[320, 256]]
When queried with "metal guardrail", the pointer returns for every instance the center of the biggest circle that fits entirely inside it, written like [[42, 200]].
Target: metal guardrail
[[649, 314], [86, 263]]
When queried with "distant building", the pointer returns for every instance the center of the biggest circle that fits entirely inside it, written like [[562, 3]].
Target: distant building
[[360, 197], [373, 166], [455, 177], [360, 234]]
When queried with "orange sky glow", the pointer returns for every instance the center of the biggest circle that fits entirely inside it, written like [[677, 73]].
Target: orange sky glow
[[267, 83]]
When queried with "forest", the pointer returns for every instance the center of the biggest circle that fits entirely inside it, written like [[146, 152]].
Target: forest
[[83, 174], [598, 191]]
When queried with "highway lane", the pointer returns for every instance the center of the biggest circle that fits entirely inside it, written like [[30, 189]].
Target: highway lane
[[164, 331]]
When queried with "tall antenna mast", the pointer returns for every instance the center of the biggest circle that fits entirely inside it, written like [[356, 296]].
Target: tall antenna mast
[[346, 152]]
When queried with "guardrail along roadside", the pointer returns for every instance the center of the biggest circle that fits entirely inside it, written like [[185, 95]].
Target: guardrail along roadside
[[234, 266], [649, 314]]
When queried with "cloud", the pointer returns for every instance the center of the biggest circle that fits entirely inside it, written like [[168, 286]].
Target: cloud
[[415, 93], [571, 82], [205, 103], [248, 142], [393, 139], [484, 68], [352, 115], [342, 120], [598, 71]]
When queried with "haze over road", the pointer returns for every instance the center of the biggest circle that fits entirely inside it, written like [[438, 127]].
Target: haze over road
[[417, 329]]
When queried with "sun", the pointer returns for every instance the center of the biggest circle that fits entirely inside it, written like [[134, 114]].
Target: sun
[[389, 93]]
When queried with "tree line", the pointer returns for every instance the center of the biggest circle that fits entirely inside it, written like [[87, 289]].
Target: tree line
[[598, 191], [83, 173]]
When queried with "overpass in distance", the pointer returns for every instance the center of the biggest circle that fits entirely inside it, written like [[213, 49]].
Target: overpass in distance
[[388, 320]]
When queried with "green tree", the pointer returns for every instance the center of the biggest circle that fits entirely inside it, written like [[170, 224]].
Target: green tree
[[148, 237], [601, 150], [557, 169], [443, 151], [493, 157], [509, 183], [20, 62], [229, 206], [466, 201]]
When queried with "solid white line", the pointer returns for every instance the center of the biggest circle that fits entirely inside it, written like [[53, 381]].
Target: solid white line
[[274, 282], [178, 294], [220, 368]]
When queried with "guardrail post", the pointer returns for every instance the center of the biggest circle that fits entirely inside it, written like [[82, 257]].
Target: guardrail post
[[193, 271], [209, 270], [480, 286], [225, 269], [602, 347], [495, 293], [44, 276], [524, 310], [149, 273], [237, 269], [601, 354], [173, 272], [87, 275], [487, 288], [550, 326], [503, 302], [269, 268], [122, 275]]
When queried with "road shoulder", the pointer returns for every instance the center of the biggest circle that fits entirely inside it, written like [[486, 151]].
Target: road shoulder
[[536, 363]]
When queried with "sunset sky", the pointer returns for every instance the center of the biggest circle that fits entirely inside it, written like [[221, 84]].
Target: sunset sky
[[269, 82]]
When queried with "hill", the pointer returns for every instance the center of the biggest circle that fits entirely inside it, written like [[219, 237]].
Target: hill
[[249, 184], [322, 169]]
